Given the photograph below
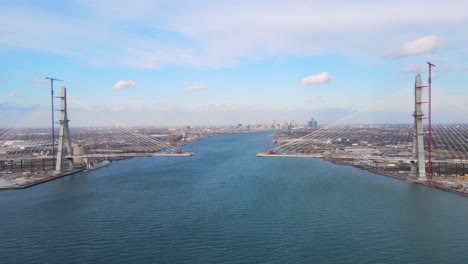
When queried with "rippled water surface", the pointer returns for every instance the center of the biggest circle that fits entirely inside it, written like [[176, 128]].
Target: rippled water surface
[[224, 205]]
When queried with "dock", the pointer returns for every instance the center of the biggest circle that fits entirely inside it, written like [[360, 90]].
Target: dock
[[267, 154], [183, 154]]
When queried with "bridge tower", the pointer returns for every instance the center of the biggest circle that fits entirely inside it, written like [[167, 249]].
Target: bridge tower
[[64, 133], [419, 169]]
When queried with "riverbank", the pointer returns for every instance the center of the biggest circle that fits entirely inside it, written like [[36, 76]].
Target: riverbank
[[452, 185], [444, 185], [24, 181]]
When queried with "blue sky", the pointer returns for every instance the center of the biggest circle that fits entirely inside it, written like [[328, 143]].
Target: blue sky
[[227, 62]]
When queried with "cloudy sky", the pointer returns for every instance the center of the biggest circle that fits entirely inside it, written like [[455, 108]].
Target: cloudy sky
[[226, 62]]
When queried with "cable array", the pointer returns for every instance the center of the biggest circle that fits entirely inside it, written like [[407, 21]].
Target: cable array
[[361, 134], [21, 141]]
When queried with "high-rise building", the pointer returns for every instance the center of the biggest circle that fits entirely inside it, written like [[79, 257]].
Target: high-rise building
[[312, 123]]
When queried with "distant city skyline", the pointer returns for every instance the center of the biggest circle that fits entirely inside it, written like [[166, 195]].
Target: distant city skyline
[[168, 63]]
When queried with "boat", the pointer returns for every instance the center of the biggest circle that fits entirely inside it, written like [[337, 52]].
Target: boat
[[98, 165]]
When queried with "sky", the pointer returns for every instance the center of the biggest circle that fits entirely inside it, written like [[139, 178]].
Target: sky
[[205, 62]]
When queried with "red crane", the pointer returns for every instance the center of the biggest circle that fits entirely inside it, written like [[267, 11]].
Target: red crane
[[179, 145], [270, 149], [429, 128]]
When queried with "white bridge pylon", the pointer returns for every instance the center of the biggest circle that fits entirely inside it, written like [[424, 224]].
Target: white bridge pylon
[[64, 133]]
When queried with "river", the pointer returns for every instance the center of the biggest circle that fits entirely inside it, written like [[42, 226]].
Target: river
[[224, 205]]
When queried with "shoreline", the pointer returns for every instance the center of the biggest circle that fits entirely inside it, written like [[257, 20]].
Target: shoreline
[[403, 178], [39, 181]]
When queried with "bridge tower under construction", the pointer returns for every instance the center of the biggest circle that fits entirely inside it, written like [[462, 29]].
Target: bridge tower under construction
[[419, 167], [64, 134]]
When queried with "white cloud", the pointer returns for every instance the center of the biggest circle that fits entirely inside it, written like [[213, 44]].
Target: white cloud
[[413, 68], [195, 87], [219, 38], [12, 94], [419, 46], [124, 84], [316, 79]]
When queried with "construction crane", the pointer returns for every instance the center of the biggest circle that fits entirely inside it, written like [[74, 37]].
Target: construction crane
[[179, 145], [270, 149]]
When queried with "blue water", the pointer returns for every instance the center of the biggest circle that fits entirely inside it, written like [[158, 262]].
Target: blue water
[[224, 205]]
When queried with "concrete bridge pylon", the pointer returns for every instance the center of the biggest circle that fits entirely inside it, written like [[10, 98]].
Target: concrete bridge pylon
[[64, 134], [418, 169]]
